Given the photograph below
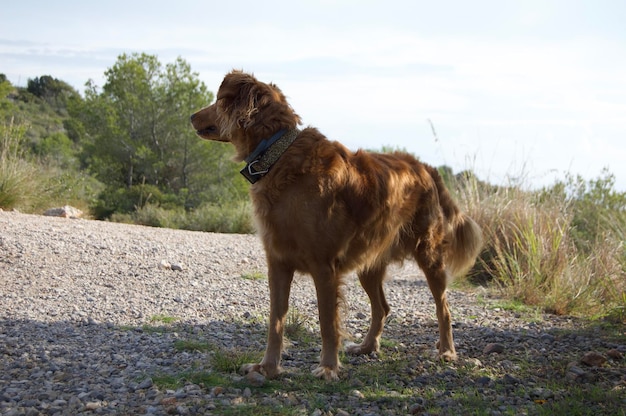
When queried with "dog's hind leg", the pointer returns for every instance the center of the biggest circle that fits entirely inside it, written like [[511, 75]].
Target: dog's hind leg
[[437, 278], [372, 281], [280, 277]]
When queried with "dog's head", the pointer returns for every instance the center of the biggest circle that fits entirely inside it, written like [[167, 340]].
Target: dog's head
[[205, 123], [246, 112]]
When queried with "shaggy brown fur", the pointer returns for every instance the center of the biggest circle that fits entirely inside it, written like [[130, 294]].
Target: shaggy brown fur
[[324, 210]]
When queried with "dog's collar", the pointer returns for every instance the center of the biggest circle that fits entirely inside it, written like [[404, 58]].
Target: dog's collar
[[259, 162]]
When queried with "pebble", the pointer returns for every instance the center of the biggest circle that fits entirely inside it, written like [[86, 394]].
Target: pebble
[[493, 348], [593, 359], [145, 384], [255, 378]]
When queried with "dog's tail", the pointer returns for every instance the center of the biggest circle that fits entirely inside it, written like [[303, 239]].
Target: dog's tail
[[464, 238]]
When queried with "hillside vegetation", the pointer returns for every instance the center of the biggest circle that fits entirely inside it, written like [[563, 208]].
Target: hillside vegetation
[[125, 152]]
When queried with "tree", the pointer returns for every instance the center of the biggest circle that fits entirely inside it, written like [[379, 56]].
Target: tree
[[6, 106], [54, 91], [138, 133]]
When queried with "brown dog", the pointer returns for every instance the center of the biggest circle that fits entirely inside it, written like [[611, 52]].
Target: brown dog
[[324, 210]]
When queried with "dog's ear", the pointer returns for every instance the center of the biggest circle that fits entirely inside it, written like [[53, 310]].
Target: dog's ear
[[237, 100]]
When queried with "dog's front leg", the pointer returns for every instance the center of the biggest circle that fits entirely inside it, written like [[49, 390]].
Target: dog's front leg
[[280, 277], [327, 287]]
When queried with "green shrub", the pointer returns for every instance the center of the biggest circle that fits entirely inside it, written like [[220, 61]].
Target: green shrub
[[234, 217], [228, 218], [127, 200], [59, 149]]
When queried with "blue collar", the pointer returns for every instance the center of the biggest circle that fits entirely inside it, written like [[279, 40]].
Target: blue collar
[[264, 145]]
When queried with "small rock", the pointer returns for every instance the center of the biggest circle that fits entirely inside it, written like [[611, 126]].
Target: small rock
[[509, 379], [255, 378], [146, 384], [342, 412], [417, 409], [474, 362], [361, 315], [547, 338], [615, 354], [247, 393], [182, 410], [357, 394], [168, 401], [64, 212], [541, 393], [217, 390], [593, 359], [164, 264], [483, 381], [177, 267], [93, 405], [493, 348], [575, 373]]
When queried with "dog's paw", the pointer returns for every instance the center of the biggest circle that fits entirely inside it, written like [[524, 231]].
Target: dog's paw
[[327, 373], [448, 356], [361, 349], [268, 372]]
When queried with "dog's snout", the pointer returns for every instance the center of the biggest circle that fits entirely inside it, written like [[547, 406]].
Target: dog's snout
[[191, 117]]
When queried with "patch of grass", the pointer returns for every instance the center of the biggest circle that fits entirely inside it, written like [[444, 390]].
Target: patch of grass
[[593, 400], [258, 410], [164, 319], [386, 343], [297, 327], [154, 329], [531, 313], [231, 360], [191, 345], [204, 379], [255, 275]]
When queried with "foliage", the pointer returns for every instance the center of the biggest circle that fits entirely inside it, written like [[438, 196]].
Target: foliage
[[232, 217], [125, 151], [16, 174], [138, 135], [53, 91], [560, 248]]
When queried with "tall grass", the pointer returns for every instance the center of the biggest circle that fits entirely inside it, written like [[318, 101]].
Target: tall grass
[[560, 248], [31, 184], [17, 185]]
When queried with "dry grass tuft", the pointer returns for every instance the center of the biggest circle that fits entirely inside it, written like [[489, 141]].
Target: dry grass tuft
[[560, 248]]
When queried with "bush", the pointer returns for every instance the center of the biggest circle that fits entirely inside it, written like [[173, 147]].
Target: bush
[[230, 218], [560, 248], [128, 200], [234, 217], [18, 178], [59, 149]]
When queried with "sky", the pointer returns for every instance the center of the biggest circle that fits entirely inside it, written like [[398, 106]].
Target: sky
[[521, 92]]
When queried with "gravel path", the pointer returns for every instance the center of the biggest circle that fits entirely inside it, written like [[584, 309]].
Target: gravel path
[[94, 314]]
